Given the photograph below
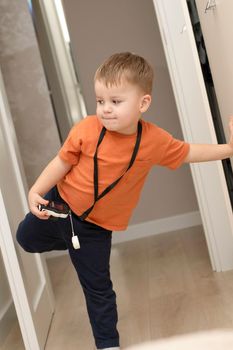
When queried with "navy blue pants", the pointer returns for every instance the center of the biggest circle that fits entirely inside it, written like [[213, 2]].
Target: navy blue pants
[[91, 262]]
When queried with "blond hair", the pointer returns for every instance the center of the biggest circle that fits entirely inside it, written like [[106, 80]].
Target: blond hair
[[125, 65]]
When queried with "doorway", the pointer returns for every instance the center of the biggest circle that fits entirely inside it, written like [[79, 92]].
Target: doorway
[[198, 127], [210, 88]]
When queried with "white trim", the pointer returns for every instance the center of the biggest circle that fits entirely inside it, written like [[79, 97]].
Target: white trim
[[159, 226], [6, 241], [16, 281], [74, 102], [9, 132], [38, 295], [149, 228]]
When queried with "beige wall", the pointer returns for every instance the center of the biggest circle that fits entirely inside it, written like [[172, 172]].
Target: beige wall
[[26, 88], [100, 28], [217, 28]]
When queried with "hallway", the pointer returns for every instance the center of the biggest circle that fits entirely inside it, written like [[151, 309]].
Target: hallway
[[165, 286]]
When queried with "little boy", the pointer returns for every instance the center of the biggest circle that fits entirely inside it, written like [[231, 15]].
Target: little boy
[[99, 172]]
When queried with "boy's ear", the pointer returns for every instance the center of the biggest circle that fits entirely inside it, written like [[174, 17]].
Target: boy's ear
[[145, 103]]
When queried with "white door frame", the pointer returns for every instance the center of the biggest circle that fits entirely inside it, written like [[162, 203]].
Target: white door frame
[[16, 281], [197, 125], [34, 330]]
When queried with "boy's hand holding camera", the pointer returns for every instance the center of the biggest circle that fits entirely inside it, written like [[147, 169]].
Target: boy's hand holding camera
[[49, 177], [35, 200], [49, 209]]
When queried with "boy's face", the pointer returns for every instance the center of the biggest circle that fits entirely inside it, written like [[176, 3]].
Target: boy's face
[[119, 107]]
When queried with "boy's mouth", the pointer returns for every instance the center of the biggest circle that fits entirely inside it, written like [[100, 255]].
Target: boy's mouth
[[108, 118]]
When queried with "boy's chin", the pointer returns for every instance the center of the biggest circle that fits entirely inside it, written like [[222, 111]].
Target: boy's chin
[[110, 125]]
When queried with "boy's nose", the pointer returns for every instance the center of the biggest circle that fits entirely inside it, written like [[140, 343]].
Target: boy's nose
[[107, 108]]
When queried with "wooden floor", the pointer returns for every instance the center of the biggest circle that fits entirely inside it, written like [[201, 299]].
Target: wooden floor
[[165, 286]]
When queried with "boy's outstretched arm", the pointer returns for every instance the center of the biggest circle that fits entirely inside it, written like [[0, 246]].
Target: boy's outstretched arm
[[49, 177], [204, 152]]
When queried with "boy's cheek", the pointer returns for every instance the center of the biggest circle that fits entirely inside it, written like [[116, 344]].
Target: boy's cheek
[[98, 110]]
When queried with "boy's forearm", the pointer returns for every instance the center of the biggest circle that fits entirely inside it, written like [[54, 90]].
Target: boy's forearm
[[204, 152], [50, 176]]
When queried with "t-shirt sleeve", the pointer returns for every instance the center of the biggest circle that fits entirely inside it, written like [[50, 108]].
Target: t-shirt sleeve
[[173, 151], [70, 151]]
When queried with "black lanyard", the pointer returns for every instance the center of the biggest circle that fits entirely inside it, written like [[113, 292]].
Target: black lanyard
[[98, 196]]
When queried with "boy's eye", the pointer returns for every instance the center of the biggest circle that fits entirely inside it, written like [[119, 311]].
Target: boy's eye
[[100, 102], [116, 102]]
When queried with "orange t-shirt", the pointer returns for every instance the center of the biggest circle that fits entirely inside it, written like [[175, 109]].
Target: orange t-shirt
[[114, 210]]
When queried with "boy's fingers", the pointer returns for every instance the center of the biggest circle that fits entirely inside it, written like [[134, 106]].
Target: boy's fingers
[[40, 214], [41, 200], [43, 216], [44, 201]]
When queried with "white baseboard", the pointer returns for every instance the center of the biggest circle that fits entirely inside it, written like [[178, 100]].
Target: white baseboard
[[155, 227], [150, 228]]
